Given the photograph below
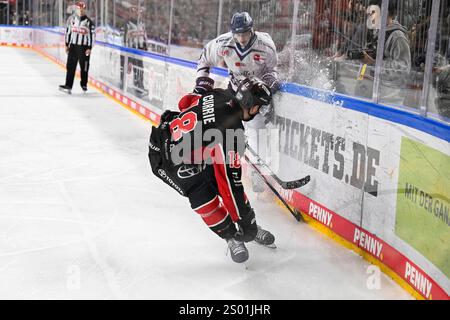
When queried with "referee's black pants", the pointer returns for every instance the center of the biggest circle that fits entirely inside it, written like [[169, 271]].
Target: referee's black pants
[[77, 54]]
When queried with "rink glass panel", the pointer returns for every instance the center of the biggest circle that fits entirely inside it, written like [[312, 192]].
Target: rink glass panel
[[417, 92], [312, 37]]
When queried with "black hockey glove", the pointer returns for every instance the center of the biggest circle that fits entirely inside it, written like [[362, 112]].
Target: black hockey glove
[[203, 85], [168, 116], [247, 228], [165, 138]]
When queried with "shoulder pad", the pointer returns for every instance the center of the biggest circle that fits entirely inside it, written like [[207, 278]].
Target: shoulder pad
[[264, 37], [226, 37]]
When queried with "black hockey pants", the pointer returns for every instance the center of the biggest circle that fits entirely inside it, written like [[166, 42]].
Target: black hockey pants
[[77, 54]]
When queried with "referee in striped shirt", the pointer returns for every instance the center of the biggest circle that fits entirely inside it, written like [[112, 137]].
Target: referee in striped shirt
[[80, 37]]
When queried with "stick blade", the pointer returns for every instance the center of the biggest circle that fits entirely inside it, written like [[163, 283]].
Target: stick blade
[[296, 183]]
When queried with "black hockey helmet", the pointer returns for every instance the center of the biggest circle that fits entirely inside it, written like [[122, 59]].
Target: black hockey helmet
[[253, 91], [241, 22]]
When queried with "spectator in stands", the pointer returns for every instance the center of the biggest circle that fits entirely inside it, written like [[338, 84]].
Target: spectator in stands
[[397, 53], [418, 40], [419, 37], [27, 18], [396, 64], [353, 29]]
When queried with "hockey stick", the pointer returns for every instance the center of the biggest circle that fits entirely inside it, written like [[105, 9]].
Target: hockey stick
[[294, 184], [295, 213]]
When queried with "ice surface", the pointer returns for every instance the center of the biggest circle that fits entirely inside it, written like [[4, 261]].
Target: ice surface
[[81, 216]]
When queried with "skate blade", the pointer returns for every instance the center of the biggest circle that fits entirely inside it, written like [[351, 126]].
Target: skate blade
[[65, 91], [243, 265], [270, 246]]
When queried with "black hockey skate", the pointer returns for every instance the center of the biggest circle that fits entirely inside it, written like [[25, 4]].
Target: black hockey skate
[[238, 251], [265, 238], [66, 89], [84, 88]]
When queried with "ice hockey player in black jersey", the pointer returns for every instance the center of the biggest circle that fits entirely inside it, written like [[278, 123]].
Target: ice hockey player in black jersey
[[197, 152]]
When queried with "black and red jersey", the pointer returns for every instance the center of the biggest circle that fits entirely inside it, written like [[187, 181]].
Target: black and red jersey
[[208, 131]]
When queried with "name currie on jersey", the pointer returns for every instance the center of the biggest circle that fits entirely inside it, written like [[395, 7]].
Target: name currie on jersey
[[208, 109]]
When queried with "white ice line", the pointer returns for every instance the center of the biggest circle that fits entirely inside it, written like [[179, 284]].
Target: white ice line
[[7, 265]]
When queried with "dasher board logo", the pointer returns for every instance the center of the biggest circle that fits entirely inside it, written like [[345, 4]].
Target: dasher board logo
[[423, 194], [348, 161]]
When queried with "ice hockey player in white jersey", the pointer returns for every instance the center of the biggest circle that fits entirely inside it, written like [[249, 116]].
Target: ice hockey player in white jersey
[[245, 53]]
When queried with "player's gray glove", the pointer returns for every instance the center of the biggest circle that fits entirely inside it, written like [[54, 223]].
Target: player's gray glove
[[268, 111], [203, 85], [272, 82]]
